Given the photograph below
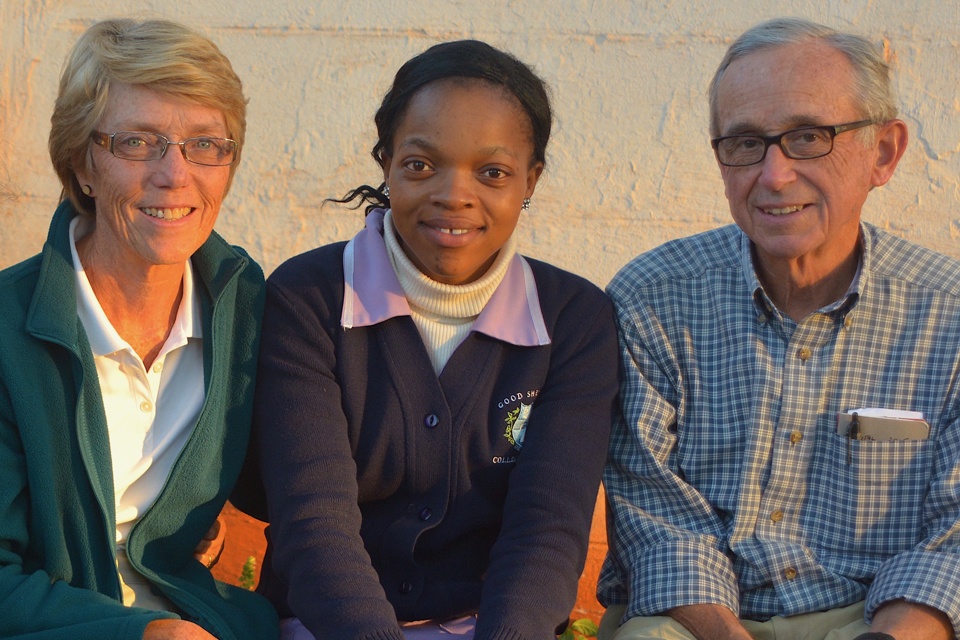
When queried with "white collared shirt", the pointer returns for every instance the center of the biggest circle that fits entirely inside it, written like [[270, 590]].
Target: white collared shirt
[[150, 413]]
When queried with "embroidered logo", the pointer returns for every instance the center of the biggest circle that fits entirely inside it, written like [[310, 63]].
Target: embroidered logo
[[517, 425]]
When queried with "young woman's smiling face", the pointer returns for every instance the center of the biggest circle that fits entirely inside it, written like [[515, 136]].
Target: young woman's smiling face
[[461, 165]]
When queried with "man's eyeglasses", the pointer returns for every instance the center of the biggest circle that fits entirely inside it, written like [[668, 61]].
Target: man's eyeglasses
[[804, 143], [142, 146]]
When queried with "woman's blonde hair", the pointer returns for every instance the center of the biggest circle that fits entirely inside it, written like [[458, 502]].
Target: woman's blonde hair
[[158, 54]]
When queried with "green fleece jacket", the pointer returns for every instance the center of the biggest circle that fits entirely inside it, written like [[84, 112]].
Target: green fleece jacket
[[58, 574]]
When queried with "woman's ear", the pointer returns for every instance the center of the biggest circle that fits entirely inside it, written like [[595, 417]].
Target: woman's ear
[[85, 173], [82, 177], [533, 175], [385, 165]]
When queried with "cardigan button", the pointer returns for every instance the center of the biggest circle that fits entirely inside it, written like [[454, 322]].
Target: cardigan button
[[426, 513], [431, 421], [406, 587]]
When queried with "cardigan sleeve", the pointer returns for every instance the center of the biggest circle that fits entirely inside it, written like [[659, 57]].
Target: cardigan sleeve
[[531, 584], [309, 474]]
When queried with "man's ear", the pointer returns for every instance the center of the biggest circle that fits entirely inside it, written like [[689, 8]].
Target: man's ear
[[891, 143]]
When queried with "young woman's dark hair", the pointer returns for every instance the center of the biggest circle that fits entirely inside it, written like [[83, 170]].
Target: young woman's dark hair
[[451, 60]]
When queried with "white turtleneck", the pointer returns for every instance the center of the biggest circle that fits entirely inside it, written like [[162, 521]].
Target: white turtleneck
[[444, 313]]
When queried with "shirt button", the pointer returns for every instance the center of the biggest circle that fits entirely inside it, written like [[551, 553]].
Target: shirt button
[[406, 587], [803, 353], [789, 573], [776, 516], [847, 322], [795, 437], [145, 406], [158, 367], [431, 421], [426, 513]]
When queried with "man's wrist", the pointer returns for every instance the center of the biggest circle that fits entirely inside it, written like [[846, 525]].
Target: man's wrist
[[874, 635]]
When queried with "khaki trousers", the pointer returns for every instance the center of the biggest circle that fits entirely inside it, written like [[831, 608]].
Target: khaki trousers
[[836, 624]]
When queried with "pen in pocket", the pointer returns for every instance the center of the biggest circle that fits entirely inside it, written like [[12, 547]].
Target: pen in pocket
[[853, 433]]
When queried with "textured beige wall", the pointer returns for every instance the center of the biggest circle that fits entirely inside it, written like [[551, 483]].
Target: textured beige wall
[[629, 165]]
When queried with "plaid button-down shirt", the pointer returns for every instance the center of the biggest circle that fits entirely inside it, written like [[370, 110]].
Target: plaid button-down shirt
[[728, 480]]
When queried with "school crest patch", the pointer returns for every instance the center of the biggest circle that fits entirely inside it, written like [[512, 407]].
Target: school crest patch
[[516, 421]]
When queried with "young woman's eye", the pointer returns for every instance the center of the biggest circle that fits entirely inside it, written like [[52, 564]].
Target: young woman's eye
[[416, 165], [494, 172]]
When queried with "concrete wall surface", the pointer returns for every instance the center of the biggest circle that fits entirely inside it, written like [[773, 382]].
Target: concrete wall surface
[[629, 165]]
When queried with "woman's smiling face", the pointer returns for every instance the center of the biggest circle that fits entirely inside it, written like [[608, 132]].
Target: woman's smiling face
[[156, 212], [461, 165]]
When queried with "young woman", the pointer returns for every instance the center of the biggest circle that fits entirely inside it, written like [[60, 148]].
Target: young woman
[[432, 409]]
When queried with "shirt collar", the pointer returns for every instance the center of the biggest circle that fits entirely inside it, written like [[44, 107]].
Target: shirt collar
[[844, 304], [103, 337], [372, 292]]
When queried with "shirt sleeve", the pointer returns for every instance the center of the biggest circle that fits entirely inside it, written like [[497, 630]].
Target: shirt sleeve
[[929, 573], [668, 544]]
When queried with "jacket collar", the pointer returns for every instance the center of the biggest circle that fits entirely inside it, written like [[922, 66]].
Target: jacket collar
[[52, 314]]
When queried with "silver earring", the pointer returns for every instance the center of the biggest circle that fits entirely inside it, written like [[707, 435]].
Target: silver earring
[[86, 189], [386, 192], [526, 205]]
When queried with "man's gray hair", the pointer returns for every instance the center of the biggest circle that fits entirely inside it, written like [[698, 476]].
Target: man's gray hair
[[871, 71]]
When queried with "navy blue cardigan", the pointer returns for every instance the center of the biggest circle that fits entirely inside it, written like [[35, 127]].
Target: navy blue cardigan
[[397, 495]]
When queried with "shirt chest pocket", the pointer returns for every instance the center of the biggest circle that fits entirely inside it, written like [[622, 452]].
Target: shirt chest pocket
[[874, 492]]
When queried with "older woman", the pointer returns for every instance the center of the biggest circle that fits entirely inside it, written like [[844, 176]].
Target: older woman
[[127, 353], [432, 408]]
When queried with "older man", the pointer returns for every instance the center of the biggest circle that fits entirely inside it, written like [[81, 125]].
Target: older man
[[787, 462]]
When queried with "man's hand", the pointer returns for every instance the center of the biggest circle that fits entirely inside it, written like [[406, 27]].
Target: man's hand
[[710, 622], [909, 621], [208, 551], [175, 630]]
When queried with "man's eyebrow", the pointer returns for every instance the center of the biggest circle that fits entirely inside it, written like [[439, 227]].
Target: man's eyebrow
[[740, 129], [794, 122]]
